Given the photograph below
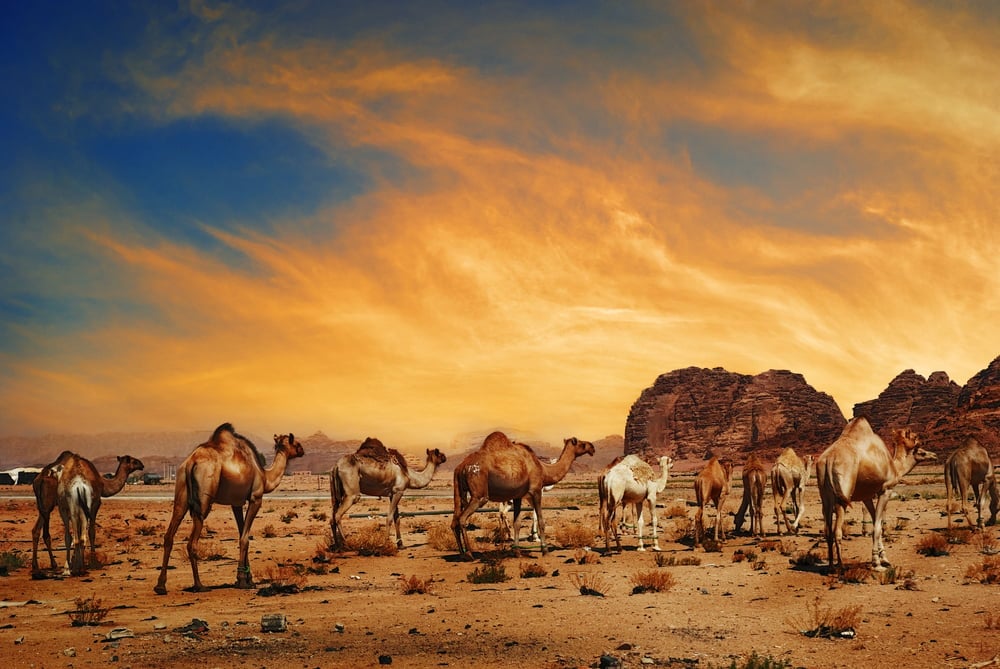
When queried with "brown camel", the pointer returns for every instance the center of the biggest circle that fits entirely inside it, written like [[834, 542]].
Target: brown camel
[[380, 472], [631, 482], [227, 469], [711, 484], [754, 481], [859, 467], [788, 478], [970, 465], [45, 487], [502, 471]]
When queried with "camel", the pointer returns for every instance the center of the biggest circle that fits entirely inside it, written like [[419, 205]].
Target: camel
[[711, 484], [227, 469], [788, 478], [631, 482], [859, 467], [380, 472], [754, 481], [502, 471], [970, 465], [503, 508], [45, 487]]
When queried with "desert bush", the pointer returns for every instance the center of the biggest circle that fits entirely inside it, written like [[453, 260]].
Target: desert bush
[[491, 572], [807, 559], [532, 570], [828, 622], [680, 528], [653, 580], [711, 545], [887, 577], [319, 515], [739, 555], [208, 549], [148, 529], [285, 577], [288, 516], [766, 545], [441, 538], [664, 560], [676, 510], [757, 662], [372, 540], [11, 561], [582, 556], [590, 584], [269, 531], [575, 535], [987, 571], [858, 572], [759, 565], [933, 545], [414, 585], [986, 543], [88, 611], [956, 536]]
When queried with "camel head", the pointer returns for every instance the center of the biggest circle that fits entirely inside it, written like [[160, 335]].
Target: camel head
[[130, 464], [908, 440], [287, 444], [579, 446], [436, 456], [666, 462]]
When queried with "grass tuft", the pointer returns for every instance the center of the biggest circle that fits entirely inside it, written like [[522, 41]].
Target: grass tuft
[[653, 580], [88, 611]]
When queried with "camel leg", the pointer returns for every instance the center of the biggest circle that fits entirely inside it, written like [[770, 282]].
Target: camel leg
[[534, 526], [719, 504], [877, 510], [742, 512], [798, 504], [238, 517], [948, 495], [180, 510], [41, 526], [92, 531], [536, 504], [779, 508], [197, 523], [516, 522], [699, 525], [393, 517], [244, 578], [337, 522], [459, 522], [991, 484]]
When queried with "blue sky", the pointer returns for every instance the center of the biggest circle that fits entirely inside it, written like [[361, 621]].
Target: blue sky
[[414, 221]]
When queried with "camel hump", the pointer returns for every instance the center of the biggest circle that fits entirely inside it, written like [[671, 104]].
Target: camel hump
[[217, 435], [641, 470], [373, 449]]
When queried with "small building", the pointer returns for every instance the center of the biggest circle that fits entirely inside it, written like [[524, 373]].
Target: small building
[[152, 479]]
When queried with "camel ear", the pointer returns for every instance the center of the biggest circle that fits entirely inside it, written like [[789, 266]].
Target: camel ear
[[291, 438]]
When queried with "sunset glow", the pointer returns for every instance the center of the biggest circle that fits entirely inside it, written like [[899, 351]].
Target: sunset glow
[[411, 221]]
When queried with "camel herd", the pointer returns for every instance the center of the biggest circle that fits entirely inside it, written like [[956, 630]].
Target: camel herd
[[228, 469]]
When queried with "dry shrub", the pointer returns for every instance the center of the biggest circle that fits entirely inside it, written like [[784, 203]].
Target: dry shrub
[[858, 572], [288, 516], [987, 571], [372, 540], [148, 529], [11, 560], [828, 622], [285, 577], [681, 528], [414, 585], [532, 570], [590, 584], [88, 611], [586, 557], [269, 531], [956, 536], [766, 545], [664, 560], [676, 510], [933, 545], [441, 538], [740, 556], [986, 543], [575, 535], [654, 580], [491, 572], [320, 516], [807, 559], [759, 565], [208, 550], [711, 545]]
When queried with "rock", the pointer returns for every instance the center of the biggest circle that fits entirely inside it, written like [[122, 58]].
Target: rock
[[119, 633], [273, 622], [691, 413], [69, 652], [339, 627], [385, 659], [609, 662]]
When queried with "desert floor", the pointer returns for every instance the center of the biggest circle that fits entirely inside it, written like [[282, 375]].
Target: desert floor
[[350, 610]]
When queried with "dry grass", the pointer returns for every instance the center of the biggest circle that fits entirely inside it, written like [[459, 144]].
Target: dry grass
[[680, 528], [491, 572], [986, 543], [532, 570], [586, 557], [590, 584], [654, 580], [414, 585], [371, 540], [958, 536], [269, 531], [664, 560], [285, 578], [676, 510], [441, 538], [807, 559], [829, 622], [933, 545], [208, 550], [88, 611], [575, 535], [148, 529], [987, 571]]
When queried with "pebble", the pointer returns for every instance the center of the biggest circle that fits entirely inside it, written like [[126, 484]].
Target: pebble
[[69, 652]]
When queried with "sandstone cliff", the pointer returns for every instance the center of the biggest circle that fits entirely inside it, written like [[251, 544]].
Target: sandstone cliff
[[691, 413]]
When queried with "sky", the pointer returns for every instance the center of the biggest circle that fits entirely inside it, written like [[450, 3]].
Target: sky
[[416, 220]]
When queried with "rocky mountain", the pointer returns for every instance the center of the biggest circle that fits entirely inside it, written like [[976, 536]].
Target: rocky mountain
[[942, 412], [693, 413]]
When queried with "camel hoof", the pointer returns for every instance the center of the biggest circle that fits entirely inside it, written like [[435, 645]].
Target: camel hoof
[[641, 549], [160, 589], [399, 544]]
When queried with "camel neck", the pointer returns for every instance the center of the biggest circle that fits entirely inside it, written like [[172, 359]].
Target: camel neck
[[274, 473], [420, 479], [114, 485], [555, 472]]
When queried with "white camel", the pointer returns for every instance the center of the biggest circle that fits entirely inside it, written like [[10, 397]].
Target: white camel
[[631, 481]]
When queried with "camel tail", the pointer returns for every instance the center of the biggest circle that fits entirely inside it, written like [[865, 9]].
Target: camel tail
[[336, 487], [193, 498], [602, 504]]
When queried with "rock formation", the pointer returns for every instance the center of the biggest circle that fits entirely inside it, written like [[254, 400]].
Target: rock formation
[[690, 414]]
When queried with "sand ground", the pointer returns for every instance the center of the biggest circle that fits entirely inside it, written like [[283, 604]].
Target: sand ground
[[350, 610]]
